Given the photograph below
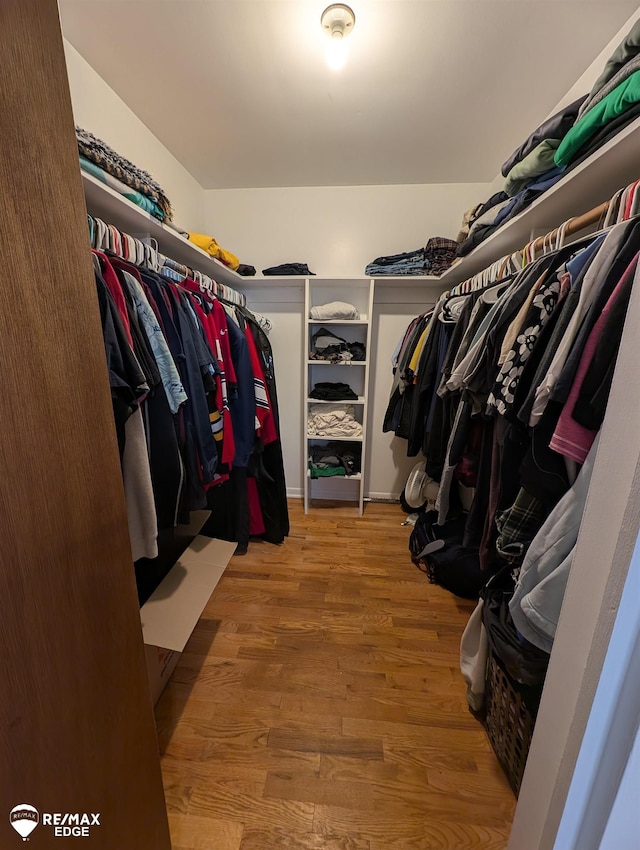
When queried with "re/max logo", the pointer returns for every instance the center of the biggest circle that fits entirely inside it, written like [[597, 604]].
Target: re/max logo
[[68, 819]]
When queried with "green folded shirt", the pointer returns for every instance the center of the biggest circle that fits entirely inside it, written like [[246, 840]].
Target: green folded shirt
[[327, 471], [537, 162], [615, 103]]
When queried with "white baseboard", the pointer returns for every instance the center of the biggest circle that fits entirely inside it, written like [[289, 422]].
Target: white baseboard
[[297, 493]]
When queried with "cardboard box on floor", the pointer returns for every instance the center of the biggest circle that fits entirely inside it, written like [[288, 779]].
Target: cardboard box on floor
[[170, 614]]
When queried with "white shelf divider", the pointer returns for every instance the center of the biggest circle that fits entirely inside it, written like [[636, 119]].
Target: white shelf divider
[[348, 364], [356, 477], [363, 320], [315, 437], [359, 400]]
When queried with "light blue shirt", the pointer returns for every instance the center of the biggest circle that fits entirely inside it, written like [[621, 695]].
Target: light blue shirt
[[169, 375]]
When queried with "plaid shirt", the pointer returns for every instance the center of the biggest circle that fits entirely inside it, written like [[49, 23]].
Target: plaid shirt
[[439, 253], [518, 525]]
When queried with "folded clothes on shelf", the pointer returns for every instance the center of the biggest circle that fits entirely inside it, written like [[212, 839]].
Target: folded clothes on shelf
[[555, 127], [121, 188], [619, 66], [327, 346], [209, 244], [434, 259], [342, 458], [504, 208], [332, 391], [95, 150], [616, 103], [245, 270], [287, 269], [334, 310], [333, 420]]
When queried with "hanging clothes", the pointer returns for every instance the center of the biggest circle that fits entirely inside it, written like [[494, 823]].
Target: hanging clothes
[[192, 389], [510, 387]]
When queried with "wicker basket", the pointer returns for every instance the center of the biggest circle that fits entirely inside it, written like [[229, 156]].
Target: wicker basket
[[511, 710]]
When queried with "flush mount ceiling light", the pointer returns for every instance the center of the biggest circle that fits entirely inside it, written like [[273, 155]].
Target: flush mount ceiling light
[[337, 22]]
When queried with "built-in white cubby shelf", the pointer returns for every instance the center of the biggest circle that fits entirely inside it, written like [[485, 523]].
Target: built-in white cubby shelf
[[318, 292]]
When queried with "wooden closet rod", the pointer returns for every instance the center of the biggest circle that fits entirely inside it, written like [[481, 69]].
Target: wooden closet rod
[[575, 225]]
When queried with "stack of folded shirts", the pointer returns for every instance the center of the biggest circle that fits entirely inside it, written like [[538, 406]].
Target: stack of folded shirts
[[95, 151], [333, 420], [332, 391], [612, 103], [530, 171], [480, 223], [287, 269], [535, 156], [434, 259], [121, 188], [334, 310]]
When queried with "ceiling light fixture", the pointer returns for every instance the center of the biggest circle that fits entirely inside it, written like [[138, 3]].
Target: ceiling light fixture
[[337, 21]]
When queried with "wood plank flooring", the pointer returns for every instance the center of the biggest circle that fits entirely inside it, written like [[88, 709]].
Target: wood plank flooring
[[319, 704]]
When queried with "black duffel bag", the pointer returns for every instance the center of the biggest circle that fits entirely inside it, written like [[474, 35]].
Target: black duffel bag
[[437, 550]]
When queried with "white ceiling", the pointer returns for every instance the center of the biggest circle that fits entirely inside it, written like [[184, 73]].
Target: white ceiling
[[433, 91]]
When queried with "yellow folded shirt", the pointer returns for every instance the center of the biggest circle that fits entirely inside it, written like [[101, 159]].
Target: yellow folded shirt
[[209, 244]]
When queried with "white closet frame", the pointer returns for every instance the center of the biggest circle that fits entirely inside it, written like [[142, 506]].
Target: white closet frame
[[603, 554]]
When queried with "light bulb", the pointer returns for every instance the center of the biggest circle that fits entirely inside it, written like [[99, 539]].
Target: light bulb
[[337, 54], [337, 21]]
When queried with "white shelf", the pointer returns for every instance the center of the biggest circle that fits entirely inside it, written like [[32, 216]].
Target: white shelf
[[363, 320], [355, 477], [359, 400], [335, 439], [407, 280], [115, 209], [341, 365], [613, 166]]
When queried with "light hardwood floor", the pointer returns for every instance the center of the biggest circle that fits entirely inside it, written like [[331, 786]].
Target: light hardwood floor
[[319, 704]]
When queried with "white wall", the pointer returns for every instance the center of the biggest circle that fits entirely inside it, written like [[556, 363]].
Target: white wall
[[336, 230], [97, 108], [387, 464]]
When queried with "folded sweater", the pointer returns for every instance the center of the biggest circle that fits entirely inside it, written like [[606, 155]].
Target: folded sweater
[[537, 162], [209, 244], [334, 310]]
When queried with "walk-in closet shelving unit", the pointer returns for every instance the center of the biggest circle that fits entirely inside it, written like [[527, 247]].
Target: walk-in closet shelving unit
[[318, 291], [115, 209]]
